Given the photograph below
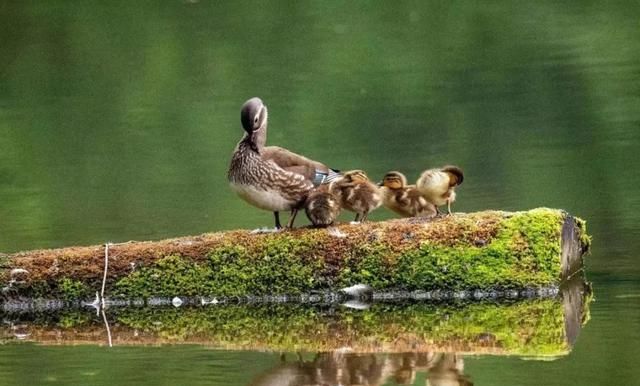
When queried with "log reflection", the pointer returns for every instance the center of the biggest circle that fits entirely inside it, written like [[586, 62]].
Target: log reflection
[[530, 327]]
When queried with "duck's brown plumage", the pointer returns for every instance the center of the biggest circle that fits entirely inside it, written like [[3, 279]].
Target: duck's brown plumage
[[404, 199], [322, 207], [269, 177], [356, 193]]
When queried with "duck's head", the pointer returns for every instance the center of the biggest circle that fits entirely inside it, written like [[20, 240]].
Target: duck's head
[[456, 176], [394, 180], [253, 115], [355, 176]]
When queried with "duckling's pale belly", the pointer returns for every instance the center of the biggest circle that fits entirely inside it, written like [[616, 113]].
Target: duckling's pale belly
[[264, 199]]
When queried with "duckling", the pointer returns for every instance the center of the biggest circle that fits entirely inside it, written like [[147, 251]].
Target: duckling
[[404, 199], [270, 177], [322, 207], [356, 193], [438, 185]]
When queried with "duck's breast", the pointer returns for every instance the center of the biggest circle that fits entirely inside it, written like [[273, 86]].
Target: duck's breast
[[267, 199]]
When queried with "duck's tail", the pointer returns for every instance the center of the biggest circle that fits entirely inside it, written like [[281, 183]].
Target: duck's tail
[[326, 177]]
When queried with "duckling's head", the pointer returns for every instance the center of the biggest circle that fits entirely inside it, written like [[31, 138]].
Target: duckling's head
[[355, 176], [253, 115], [394, 180], [455, 174]]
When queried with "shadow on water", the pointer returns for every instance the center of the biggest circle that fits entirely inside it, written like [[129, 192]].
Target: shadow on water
[[538, 327]]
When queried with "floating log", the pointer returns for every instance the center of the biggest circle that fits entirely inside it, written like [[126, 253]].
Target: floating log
[[475, 251]]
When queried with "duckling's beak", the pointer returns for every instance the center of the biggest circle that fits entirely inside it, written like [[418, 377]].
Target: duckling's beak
[[381, 183]]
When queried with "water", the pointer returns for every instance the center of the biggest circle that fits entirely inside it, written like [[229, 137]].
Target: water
[[117, 121]]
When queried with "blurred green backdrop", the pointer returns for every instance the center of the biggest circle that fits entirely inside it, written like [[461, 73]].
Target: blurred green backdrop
[[117, 119]]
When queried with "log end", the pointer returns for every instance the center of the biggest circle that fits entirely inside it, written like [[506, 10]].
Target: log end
[[575, 243]]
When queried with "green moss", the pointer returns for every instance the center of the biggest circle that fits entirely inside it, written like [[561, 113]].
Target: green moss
[[231, 271], [585, 239], [170, 276], [279, 268], [368, 263], [525, 252], [70, 289]]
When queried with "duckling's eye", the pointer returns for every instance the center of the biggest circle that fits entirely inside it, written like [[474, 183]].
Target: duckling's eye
[[255, 120]]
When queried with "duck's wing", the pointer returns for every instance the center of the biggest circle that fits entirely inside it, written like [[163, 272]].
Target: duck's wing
[[314, 171]]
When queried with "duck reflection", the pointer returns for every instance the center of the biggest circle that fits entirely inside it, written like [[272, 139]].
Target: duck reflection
[[442, 369]]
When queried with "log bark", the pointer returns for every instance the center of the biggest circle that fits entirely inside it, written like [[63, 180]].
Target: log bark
[[475, 251]]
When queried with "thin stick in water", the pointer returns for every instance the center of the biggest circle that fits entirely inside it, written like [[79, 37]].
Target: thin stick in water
[[106, 268]]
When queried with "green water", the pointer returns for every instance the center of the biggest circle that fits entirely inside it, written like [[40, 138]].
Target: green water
[[117, 120]]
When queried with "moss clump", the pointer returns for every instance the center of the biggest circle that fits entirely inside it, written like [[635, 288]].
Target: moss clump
[[585, 239], [170, 276], [525, 251], [369, 263], [278, 268]]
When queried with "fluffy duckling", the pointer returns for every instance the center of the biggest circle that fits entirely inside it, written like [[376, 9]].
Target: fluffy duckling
[[356, 193], [438, 185], [404, 199], [322, 207]]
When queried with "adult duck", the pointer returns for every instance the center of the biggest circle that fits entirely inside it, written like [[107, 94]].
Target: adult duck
[[270, 177]]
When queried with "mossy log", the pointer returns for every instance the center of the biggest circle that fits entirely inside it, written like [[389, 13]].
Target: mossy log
[[482, 250]]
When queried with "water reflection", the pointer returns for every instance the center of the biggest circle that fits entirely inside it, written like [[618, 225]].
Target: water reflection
[[334, 368], [527, 327]]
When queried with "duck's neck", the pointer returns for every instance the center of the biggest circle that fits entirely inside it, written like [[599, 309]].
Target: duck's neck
[[257, 139]]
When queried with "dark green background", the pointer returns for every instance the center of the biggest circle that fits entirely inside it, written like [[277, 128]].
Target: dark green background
[[117, 120]]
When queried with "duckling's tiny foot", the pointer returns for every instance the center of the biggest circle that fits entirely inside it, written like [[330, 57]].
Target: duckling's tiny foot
[[266, 230]]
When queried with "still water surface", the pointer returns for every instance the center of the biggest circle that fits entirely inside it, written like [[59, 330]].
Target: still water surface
[[117, 120]]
